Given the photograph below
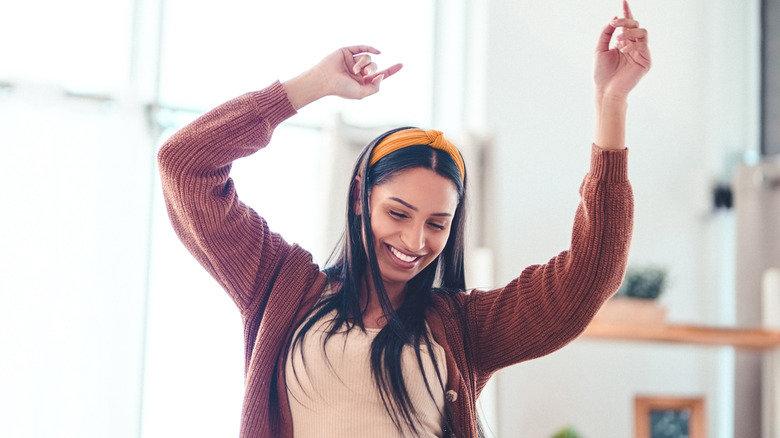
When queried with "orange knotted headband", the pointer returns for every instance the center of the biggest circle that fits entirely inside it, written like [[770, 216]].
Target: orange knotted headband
[[412, 137]]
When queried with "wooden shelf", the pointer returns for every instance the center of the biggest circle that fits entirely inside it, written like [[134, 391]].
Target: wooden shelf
[[746, 338]]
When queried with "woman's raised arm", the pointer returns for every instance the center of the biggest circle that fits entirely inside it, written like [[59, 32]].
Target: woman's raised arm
[[550, 304], [228, 238]]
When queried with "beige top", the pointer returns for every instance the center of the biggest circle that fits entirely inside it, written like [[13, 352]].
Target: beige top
[[335, 396]]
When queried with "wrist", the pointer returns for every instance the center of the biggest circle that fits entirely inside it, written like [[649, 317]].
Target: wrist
[[305, 88], [604, 97], [610, 120]]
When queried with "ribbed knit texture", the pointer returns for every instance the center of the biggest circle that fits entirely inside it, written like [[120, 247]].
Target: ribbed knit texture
[[275, 284]]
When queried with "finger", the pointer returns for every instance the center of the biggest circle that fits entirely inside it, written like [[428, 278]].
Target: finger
[[633, 35], [640, 55], [638, 47], [605, 37], [393, 69], [356, 50], [386, 73], [360, 62], [628, 23], [369, 70], [370, 87], [627, 10]]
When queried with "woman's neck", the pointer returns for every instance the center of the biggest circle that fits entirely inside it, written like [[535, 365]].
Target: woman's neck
[[373, 315]]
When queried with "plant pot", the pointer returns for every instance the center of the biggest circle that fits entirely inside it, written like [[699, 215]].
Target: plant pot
[[627, 310]]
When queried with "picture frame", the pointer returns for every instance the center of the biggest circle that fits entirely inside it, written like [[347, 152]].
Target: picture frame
[[669, 417]]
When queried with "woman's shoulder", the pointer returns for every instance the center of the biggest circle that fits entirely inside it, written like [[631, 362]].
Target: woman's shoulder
[[293, 280], [450, 300]]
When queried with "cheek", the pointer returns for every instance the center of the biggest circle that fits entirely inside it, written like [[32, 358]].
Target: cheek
[[440, 241], [380, 227]]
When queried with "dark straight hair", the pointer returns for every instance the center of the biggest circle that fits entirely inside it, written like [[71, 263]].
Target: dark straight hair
[[354, 257]]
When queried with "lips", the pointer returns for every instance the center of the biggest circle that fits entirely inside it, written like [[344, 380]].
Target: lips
[[405, 259]]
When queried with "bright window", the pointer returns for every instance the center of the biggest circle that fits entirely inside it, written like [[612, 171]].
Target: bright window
[[79, 44]]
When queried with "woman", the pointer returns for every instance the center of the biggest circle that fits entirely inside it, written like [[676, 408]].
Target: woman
[[385, 341]]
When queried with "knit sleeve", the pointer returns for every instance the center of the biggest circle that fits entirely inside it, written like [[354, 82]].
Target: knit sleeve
[[549, 305], [228, 238]]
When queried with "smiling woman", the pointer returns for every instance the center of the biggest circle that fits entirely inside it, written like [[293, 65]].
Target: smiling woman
[[408, 238], [398, 238]]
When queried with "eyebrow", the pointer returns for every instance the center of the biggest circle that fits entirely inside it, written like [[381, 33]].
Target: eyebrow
[[412, 207]]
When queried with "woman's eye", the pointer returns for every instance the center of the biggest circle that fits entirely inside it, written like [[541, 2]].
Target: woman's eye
[[398, 214], [437, 226]]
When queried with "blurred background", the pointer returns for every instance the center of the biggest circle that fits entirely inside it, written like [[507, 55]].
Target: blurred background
[[109, 328]]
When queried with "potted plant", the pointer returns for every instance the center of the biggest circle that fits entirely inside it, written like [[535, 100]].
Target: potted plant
[[567, 432], [644, 282]]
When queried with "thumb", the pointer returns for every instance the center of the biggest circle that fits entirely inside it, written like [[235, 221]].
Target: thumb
[[377, 80], [371, 87], [606, 37]]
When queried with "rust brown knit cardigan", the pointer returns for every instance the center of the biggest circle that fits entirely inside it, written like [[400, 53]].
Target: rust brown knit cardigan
[[275, 284]]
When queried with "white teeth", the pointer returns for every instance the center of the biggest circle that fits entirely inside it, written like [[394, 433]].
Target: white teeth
[[401, 255]]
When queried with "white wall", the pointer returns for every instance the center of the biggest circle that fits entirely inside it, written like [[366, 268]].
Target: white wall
[[73, 261], [697, 105]]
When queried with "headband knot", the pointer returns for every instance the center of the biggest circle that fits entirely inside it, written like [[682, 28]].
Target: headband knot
[[413, 137], [436, 139]]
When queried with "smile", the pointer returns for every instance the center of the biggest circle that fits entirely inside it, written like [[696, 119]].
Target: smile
[[403, 257]]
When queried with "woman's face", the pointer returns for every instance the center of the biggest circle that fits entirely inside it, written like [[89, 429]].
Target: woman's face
[[411, 216]]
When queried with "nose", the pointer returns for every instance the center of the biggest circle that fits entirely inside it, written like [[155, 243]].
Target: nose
[[413, 237]]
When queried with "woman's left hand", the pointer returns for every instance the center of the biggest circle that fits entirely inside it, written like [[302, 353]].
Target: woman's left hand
[[618, 69]]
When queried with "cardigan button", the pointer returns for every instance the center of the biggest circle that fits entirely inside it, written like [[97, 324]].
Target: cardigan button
[[451, 396]]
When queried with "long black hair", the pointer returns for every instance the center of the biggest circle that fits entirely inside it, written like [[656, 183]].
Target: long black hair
[[355, 256]]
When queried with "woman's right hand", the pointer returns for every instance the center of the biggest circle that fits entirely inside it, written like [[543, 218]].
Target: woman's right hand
[[348, 72], [618, 70]]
